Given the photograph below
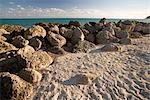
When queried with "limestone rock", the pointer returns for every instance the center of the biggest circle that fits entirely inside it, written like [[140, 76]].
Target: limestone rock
[[3, 31], [14, 88], [74, 23], [91, 29], [19, 42], [2, 38], [56, 39], [77, 35], [54, 29], [5, 47], [35, 31], [35, 43], [67, 33], [125, 41], [83, 46], [110, 29], [39, 60], [57, 50], [122, 34], [111, 47], [30, 75]]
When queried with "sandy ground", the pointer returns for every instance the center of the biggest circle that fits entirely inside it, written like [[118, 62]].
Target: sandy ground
[[113, 75]]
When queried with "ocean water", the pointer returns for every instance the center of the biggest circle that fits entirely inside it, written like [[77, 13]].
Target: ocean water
[[27, 22]]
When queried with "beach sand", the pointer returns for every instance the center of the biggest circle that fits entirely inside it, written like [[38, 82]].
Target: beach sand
[[121, 75]]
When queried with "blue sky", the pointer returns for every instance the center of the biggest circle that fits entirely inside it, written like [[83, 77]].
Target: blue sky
[[74, 8]]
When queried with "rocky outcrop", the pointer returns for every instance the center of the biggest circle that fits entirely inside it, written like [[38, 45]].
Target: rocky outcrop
[[19, 42], [55, 39], [30, 75], [35, 31], [14, 88]]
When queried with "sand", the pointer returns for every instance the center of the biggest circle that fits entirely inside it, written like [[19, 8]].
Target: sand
[[121, 75]]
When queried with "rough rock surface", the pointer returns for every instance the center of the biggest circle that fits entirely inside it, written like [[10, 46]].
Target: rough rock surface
[[35, 43], [56, 39], [122, 34], [111, 47], [125, 41], [19, 42], [14, 88], [30, 75], [74, 23], [35, 31]]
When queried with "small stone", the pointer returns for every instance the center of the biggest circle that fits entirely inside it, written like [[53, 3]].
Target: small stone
[[30, 75], [111, 47]]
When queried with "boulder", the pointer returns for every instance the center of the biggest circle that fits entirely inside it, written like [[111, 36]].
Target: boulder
[[111, 47], [74, 23], [39, 60], [54, 29], [19, 42], [57, 50], [55, 39], [91, 29], [77, 35], [104, 37], [127, 26], [110, 29], [5, 47], [117, 29], [90, 37], [14, 88], [135, 35], [35, 43], [35, 31], [125, 41], [67, 33], [2, 38], [30, 75], [3, 31], [83, 46], [103, 21], [122, 34], [92, 23]]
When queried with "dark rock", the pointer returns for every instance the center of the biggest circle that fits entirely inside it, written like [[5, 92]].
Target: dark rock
[[19, 42], [35, 43], [74, 23]]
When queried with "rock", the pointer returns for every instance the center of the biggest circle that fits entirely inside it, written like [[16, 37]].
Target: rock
[[117, 29], [74, 23], [99, 26], [127, 26], [5, 47], [91, 29], [12, 28], [30, 75], [91, 38], [77, 79], [77, 35], [57, 50], [148, 17], [56, 39], [104, 37], [83, 46], [125, 41], [2, 38], [54, 29], [26, 52], [122, 34], [92, 23], [39, 60], [35, 31], [14, 88], [135, 35], [67, 33], [111, 47], [35, 43], [3, 31], [19, 42], [103, 21], [110, 29]]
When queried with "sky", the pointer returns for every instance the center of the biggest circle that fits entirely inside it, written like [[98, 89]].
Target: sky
[[74, 8]]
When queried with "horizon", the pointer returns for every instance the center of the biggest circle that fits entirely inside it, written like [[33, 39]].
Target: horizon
[[111, 9]]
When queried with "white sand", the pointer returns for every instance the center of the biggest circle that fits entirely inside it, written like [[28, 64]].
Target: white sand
[[113, 75]]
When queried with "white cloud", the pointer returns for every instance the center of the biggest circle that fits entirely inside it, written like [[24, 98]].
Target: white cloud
[[74, 12], [11, 3]]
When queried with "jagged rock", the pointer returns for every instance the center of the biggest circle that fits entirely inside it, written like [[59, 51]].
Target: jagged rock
[[92, 23], [104, 37], [39, 60], [74, 23], [54, 29], [103, 21], [91, 38], [3, 31], [135, 35], [12, 28], [144, 28], [35, 31], [122, 34], [127, 26], [30, 75], [2, 38], [19, 42], [111, 47], [125, 41], [110, 29], [35, 43], [56, 39], [5, 47], [99, 26], [117, 29], [14, 88], [83, 46], [77, 35], [91, 29], [67, 33]]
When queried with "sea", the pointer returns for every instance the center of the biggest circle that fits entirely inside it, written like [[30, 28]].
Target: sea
[[28, 22]]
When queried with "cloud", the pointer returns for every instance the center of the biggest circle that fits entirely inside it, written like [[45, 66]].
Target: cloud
[[11, 3], [75, 12]]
